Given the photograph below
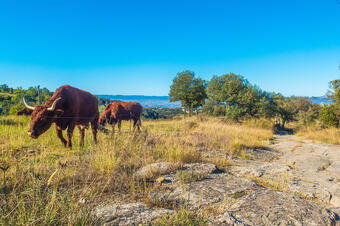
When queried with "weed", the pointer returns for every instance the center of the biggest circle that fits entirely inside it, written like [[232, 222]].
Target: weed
[[189, 176], [183, 217]]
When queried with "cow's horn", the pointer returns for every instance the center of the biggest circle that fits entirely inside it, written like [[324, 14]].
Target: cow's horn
[[54, 104], [26, 105]]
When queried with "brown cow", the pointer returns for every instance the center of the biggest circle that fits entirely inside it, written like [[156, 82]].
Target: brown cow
[[24, 111], [67, 108], [115, 112]]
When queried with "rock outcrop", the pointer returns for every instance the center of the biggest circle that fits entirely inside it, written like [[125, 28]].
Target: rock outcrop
[[294, 182]]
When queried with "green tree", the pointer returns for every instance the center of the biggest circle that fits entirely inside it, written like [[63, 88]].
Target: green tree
[[328, 116], [188, 89], [240, 98], [286, 109], [334, 93]]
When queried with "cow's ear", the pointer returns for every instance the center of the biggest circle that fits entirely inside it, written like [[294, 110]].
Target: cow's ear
[[58, 113]]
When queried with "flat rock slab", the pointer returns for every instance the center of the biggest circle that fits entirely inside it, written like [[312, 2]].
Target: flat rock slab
[[201, 168], [262, 154], [268, 207], [213, 189], [304, 168], [162, 168], [128, 214], [156, 169]]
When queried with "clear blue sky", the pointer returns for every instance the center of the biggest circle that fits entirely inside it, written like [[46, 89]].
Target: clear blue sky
[[137, 47]]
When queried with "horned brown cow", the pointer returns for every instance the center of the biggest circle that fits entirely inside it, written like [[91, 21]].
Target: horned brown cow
[[115, 112], [67, 108]]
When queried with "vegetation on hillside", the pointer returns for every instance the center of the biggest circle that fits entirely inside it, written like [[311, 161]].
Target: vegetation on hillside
[[189, 90], [327, 128], [234, 98]]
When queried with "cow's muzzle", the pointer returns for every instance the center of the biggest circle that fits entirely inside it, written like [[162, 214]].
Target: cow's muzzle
[[32, 135]]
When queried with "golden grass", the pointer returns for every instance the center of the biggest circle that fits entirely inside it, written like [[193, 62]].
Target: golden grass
[[47, 184], [328, 136]]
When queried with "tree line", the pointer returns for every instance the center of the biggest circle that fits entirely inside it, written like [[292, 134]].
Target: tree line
[[233, 97], [11, 102], [11, 99]]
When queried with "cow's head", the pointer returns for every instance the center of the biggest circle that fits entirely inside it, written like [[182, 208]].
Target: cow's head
[[105, 117], [42, 118]]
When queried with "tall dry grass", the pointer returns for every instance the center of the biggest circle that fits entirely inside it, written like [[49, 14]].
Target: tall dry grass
[[319, 135], [47, 184]]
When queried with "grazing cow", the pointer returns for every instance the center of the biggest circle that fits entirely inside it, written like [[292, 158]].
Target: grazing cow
[[24, 111], [115, 112], [67, 108]]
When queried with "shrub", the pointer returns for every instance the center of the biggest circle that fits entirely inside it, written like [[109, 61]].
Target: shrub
[[328, 116]]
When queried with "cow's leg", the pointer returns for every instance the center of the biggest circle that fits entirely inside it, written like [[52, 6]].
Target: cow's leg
[[82, 134], [139, 124], [70, 129], [134, 124], [119, 125], [94, 127], [60, 135]]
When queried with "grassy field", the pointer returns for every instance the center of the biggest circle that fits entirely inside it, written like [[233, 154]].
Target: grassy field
[[47, 184]]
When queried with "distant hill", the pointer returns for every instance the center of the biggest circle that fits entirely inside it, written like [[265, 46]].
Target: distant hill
[[321, 100], [163, 101], [145, 101]]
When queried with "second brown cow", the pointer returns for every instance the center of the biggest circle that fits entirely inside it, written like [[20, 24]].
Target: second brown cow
[[115, 112]]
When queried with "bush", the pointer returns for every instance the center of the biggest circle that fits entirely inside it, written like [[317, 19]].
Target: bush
[[234, 113], [328, 116], [219, 110], [14, 109]]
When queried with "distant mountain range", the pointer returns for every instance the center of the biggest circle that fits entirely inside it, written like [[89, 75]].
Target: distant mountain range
[[163, 101], [145, 101], [321, 100]]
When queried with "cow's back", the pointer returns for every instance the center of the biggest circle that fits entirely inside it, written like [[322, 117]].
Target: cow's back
[[78, 105], [126, 110]]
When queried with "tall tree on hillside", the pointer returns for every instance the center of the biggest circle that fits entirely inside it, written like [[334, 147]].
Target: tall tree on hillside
[[330, 115], [239, 97], [286, 109], [334, 93], [188, 89]]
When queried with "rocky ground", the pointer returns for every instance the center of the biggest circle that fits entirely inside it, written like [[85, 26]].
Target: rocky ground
[[294, 182]]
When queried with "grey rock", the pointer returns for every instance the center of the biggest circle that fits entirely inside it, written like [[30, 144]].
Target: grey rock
[[268, 207], [155, 169], [201, 168], [128, 214], [262, 154], [337, 214], [213, 189], [225, 219], [307, 169]]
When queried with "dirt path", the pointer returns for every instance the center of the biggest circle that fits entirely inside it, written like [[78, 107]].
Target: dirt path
[[318, 164], [314, 167]]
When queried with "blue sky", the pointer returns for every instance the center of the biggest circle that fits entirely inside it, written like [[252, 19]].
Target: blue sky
[[137, 47]]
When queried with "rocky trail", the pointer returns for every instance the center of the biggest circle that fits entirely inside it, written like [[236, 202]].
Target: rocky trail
[[294, 182]]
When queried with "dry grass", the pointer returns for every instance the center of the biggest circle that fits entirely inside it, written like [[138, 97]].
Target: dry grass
[[279, 182], [329, 135], [47, 184]]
